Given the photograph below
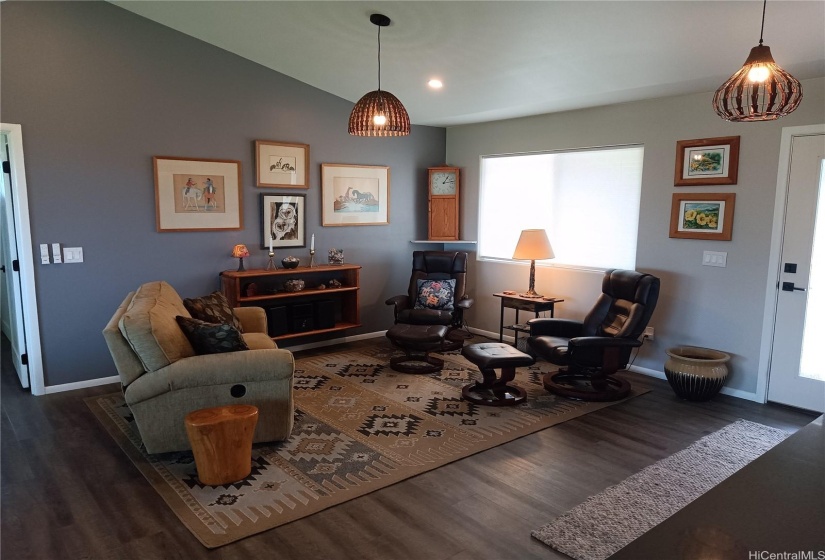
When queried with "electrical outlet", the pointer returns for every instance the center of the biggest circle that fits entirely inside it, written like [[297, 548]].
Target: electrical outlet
[[648, 333]]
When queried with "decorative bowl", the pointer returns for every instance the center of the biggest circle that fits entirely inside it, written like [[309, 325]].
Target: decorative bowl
[[295, 285], [290, 262]]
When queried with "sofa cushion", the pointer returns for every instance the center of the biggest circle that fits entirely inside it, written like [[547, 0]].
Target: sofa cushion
[[258, 341], [211, 338], [213, 308], [150, 328], [126, 361]]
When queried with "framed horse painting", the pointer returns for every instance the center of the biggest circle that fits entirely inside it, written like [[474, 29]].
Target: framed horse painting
[[355, 195], [197, 194]]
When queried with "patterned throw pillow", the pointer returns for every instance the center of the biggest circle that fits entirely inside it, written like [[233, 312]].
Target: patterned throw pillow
[[435, 294], [213, 308], [211, 338]]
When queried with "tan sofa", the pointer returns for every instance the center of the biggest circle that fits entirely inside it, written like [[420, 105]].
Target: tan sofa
[[163, 379]]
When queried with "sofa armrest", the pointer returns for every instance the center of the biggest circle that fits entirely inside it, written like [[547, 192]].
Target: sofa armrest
[[253, 319], [246, 366]]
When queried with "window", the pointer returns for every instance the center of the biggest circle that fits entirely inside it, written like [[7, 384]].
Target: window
[[587, 200]]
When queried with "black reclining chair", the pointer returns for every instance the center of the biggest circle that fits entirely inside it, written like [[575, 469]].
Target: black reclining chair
[[436, 265], [597, 347]]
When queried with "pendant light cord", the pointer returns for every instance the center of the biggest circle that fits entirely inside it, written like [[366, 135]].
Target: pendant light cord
[[379, 51], [761, 31]]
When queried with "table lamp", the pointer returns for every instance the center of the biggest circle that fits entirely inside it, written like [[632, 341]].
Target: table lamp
[[533, 245], [239, 252]]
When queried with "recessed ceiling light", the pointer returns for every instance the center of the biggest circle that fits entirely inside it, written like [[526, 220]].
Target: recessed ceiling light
[[435, 84]]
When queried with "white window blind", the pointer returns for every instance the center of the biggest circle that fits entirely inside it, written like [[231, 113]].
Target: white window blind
[[586, 200]]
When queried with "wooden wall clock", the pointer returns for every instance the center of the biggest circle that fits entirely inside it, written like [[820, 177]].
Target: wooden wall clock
[[443, 207]]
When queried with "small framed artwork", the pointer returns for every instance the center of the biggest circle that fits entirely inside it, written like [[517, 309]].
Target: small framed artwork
[[702, 216], [197, 194], [281, 165], [355, 195], [708, 161], [283, 220]]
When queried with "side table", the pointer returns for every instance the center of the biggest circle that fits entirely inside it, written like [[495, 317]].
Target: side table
[[221, 439], [515, 301]]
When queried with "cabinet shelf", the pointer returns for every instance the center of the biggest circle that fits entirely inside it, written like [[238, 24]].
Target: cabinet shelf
[[270, 293]]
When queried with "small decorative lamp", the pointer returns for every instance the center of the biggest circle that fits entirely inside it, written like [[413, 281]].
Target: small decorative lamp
[[760, 90], [239, 252], [533, 245]]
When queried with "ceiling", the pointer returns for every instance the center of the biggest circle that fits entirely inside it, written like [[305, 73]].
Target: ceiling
[[505, 59]]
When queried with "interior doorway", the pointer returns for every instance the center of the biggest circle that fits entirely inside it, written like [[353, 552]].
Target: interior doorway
[[23, 322], [796, 371]]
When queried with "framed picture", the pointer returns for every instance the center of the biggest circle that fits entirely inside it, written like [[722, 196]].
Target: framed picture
[[197, 194], [709, 161], [702, 216], [282, 165], [355, 195], [283, 220]]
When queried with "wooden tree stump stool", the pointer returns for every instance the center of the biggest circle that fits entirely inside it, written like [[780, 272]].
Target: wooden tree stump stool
[[221, 439]]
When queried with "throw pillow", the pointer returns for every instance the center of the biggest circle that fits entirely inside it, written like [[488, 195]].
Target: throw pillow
[[213, 308], [435, 294], [211, 338]]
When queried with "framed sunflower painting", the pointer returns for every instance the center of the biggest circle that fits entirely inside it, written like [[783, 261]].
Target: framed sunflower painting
[[702, 216]]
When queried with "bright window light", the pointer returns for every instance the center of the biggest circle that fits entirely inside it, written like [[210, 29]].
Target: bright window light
[[587, 201]]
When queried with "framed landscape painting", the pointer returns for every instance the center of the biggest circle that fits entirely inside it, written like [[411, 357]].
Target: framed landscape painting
[[283, 220], [282, 165], [709, 161], [355, 195], [197, 194], [702, 216]]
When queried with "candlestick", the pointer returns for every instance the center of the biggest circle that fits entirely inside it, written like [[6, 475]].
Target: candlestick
[[312, 244], [311, 258], [271, 265], [270, 243]]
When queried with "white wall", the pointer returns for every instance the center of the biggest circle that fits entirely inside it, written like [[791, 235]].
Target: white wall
[[702, 306]]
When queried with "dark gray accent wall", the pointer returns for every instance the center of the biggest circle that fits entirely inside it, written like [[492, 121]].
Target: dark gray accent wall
[[99, 91]]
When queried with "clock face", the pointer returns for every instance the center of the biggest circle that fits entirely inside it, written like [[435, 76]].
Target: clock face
[[442, 182]]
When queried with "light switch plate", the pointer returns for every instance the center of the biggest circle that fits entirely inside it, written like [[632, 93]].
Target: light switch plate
[[58, 257], [44, 253], [715, 258], [73, 254]]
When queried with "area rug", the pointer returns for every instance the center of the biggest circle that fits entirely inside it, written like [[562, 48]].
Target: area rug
[[359, 427], [612, 519]]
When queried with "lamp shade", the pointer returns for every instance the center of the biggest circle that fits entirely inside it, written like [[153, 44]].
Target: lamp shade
[[378, 103], [759, 91], [240, 251], [533, 245]]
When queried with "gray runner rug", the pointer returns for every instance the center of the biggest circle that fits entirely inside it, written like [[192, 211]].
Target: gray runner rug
[[608, 521]]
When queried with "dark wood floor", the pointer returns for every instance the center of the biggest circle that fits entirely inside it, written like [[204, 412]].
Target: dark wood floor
[[69, 492]]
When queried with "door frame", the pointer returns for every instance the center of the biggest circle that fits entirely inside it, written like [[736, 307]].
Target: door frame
[[25, 255], [774, 264]]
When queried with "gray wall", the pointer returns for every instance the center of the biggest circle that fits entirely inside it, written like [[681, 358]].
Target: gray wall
[[699, 305], [99, 91]]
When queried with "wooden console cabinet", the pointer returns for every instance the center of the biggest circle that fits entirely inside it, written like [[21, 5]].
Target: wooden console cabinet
[[265, 288]]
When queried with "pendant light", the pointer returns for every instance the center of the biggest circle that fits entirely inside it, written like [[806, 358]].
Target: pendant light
[[379, 113], [760, 90]]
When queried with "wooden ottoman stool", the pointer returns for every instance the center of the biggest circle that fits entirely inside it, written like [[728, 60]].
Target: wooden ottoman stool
[[221, 439], [489, 356], [417, 341]]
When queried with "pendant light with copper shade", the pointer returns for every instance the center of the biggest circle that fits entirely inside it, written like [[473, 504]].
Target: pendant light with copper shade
[[760, 90], [379, 113]]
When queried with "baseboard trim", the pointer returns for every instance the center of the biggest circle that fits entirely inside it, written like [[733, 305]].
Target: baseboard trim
[[490, 334], [738, 393], [80, 384]]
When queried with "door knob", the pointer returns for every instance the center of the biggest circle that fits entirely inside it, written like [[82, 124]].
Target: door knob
[[789, 287]]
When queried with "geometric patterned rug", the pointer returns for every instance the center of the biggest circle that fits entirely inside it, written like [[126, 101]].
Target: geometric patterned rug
[[359, 427]]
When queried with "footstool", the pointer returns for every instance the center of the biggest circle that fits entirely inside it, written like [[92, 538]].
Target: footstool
[[489, 356], [221, 439], [417, 341]]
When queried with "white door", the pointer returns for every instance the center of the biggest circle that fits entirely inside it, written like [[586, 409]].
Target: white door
[[797, 370], [12, 309]]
